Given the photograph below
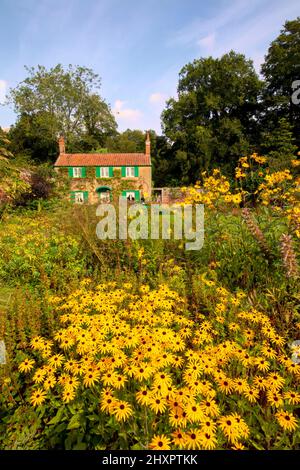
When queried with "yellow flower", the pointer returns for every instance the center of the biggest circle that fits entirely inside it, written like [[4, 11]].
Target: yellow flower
[[178, 439], [274, 399], [287, 421], [107, 404], [229, 427], [68, 395], [26, 365], [208, 440], [160, 442], [38, 397], [158, 404], [91, 377], [39, 376], [193, 439], [56, 360], [49, 382], [251, 394], [292, 397], [122, 410], [193, 412]]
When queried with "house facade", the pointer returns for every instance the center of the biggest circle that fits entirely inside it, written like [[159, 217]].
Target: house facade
[[103, 177]]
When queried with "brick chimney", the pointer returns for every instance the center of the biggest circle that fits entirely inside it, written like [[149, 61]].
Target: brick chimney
[[148, 144], [61, 144]]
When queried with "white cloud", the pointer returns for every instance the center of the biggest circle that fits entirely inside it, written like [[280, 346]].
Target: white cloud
[[3, 88], [208, 42], [157, 98], [126, 116]]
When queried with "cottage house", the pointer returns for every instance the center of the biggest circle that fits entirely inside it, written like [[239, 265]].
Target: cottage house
[[102, 177]]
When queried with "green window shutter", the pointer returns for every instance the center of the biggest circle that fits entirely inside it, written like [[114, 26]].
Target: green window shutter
[[98, 171], [70, 169], [123, 171], [83, 172], [136, 171], [137, 195], [111, 171], [85, 196], [72, 194], [124, 193]]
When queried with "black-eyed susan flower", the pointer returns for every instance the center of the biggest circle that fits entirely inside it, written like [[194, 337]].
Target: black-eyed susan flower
[[39, 375], [68, 395], [158, 404], [56, 360], [49, 382], [229, 427], [252, 394], [91, 377], [260, 382], [208, 440], [275, 399], [160, 442], [193, 412], [122, 410], [225, 385], [293, 398], [38, 397], [178, 438], [209, 407], [26, 365], [274, 381], [287, 421], [208, 425], [193, 439], [262, 364]]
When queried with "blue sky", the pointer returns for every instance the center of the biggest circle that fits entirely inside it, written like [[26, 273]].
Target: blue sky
[[137, 46]]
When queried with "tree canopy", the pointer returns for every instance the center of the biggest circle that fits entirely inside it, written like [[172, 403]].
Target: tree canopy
[[59, 100], [213, 120], [280, 70]]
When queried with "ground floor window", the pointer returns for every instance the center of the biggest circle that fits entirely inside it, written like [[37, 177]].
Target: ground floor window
[[79, 197], [131, 195]]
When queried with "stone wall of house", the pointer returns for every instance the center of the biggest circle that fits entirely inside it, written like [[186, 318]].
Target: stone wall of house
[[117, 184]]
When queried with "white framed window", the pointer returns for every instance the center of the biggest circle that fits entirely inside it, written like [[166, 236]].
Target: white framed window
[[130, 196], [79, 198], [104, 172], [130, 171], [77, 172]]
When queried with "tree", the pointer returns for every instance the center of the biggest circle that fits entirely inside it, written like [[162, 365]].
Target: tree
[[59, 100], [279, 145], [281, 70], [214, 119], [128, 141], [11, 183]]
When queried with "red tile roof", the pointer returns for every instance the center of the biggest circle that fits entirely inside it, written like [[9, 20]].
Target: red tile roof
[[103, 159]]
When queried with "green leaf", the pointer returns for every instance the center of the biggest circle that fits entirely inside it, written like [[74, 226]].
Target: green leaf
[[57, 418], [136, 446], [74, 422], [80, 446]]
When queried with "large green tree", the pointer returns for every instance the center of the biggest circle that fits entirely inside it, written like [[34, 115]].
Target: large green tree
[[279, 145], [281, 69], [214, 119], [59, 100], [127, 141]]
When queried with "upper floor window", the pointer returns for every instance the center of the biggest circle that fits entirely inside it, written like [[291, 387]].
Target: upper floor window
[[77, 172], [104, 172], [130, 171]]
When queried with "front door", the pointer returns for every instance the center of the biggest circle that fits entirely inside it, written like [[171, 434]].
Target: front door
[[105, 197]]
